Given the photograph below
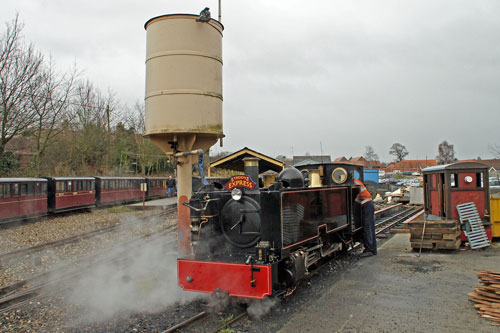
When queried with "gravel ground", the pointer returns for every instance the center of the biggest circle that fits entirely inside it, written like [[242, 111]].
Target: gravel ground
[[27, 266]]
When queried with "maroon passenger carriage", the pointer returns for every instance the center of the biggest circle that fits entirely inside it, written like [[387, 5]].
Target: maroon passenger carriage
[[117, 190], [22, 198], [70, 193], [157, 187]]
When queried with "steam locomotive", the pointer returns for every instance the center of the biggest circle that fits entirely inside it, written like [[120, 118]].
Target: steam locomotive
[[254, 242]]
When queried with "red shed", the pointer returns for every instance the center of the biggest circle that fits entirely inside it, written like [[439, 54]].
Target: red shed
[[446, 186]]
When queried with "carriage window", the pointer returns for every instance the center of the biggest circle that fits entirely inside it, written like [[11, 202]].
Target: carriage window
[[92, 185], [24, 189], [454, 180], [38, 188], [6, 191], [59, 186], [44, 188], [31, 189], [2, 191], [69, 186], [479, 180]]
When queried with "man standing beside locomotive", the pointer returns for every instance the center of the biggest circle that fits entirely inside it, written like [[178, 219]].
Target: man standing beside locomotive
[[364, 212], [171, 186]]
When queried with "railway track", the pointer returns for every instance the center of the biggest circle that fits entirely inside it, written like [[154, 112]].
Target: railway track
[[396, 219], [76, 238], [21, 293], [216, 324]]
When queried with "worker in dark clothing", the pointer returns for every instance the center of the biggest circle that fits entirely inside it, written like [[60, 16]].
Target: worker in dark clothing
[[171, 186], [364, 213]]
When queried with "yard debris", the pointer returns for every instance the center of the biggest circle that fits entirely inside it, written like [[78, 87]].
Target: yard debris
[[487, 296], [436, 235]]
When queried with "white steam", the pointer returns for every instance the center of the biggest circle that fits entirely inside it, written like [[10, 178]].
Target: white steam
[[258, 308], [145, 280]]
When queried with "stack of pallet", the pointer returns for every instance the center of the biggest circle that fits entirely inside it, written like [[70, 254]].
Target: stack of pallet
[[487, 296], [437, 235]]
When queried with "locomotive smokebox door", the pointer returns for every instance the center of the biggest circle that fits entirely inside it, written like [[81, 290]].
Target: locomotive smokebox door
[[241, 222]]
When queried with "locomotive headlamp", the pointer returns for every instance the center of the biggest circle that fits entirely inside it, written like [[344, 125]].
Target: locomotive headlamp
[[236, 194]]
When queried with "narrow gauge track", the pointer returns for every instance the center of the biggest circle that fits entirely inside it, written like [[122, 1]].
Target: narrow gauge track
[[15, 296], [76, 238], [203, 315], [396, 219]]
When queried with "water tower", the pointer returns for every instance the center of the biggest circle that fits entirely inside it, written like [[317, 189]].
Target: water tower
[[184, 95]]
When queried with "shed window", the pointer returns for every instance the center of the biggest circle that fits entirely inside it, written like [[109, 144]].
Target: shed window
[[479, 180]]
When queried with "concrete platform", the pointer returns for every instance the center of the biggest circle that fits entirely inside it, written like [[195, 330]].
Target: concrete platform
[[160, 203], [397, 291]]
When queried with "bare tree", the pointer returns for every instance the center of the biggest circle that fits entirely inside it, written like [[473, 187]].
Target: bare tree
[[446, 153], [51, 100], [399, 151], [495, 150], [20, 66], [370, 154]]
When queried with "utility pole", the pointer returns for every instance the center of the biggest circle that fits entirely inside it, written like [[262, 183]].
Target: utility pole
[[220, 14]]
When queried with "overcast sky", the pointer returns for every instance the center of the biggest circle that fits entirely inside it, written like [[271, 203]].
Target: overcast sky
[[339, 75]]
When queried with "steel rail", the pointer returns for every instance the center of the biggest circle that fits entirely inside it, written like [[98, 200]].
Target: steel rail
[[14, 298], [186, 322], [402, 219], [73, 239], [230, 322]]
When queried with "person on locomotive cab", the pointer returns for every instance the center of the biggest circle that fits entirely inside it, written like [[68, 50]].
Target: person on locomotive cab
[[171, 186], [364, 212]]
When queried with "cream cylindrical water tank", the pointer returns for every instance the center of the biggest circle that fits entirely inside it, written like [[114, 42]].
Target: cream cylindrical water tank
[[183, 82]]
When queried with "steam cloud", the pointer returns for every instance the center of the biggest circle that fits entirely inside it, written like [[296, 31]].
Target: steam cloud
[[143, 281]]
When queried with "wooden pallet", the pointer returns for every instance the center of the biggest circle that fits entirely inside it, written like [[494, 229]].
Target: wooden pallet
[[487, 296], [438, 235]]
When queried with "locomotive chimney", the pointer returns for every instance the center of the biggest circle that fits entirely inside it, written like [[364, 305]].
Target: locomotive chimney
[[252, 169]]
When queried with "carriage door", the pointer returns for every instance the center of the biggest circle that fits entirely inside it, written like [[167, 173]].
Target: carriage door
[[442, 194]]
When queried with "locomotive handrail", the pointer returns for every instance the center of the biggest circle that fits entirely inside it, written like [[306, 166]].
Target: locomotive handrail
[[199, 209]]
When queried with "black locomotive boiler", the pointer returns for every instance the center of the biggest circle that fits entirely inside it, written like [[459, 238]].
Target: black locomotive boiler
[[252, 242]]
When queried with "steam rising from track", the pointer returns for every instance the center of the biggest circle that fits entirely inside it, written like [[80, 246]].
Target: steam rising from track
[[134, 280]]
